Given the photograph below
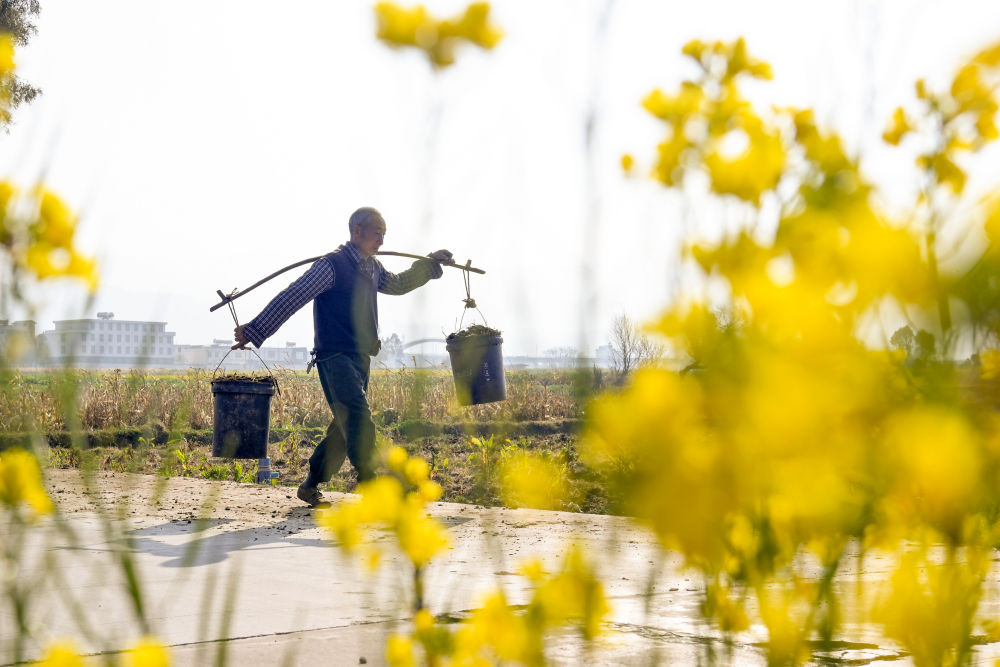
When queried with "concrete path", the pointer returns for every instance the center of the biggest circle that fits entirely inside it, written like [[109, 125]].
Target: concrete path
[[297, 600]]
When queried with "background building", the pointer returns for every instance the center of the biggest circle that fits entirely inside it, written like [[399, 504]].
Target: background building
[[209, 356], [104, 342], [17, 342]]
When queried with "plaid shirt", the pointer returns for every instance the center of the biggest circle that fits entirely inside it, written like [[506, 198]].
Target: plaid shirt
[[321, 277]]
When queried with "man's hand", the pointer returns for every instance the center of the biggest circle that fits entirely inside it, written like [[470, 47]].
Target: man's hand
[[441, 255], [241, 340]]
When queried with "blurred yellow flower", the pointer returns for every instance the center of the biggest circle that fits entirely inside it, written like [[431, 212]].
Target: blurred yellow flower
[[416, 471], [729, 614], [397, 458], [937, 462], [944, 170], [495, 625], [21, 482], [990, 360], [386, 504], [785, 614], [990, 56], [668, 166], [420, 537], [399, 651], [61, 654], [530, 480], [928, 607], [7, 42], [43, 242], [628, 162], [756, 170], [898, 127], [416, 27], [740, 61], [147, 652], [677, 108]]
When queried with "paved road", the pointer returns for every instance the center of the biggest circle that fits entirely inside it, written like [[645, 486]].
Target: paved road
[[296, 600]]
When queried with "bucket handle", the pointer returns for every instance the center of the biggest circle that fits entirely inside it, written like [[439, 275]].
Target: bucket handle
[[269, 371], [469, 302]]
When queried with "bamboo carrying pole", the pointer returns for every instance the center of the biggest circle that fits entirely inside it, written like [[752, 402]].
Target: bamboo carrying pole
[[226, 298]]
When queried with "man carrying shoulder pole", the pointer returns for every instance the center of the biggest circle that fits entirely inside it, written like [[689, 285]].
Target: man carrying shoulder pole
[[343, 287]]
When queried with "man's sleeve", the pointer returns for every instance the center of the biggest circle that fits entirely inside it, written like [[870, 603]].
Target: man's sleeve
[[422, 271], [319, 278]]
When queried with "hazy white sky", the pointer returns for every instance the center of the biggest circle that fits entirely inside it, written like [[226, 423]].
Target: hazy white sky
[[208, 144]]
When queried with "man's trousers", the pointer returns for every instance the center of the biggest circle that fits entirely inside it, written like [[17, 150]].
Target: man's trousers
[[352, 433]]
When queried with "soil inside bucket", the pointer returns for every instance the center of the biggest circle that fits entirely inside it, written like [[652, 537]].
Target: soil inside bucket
[[236, 376], [474, 331]]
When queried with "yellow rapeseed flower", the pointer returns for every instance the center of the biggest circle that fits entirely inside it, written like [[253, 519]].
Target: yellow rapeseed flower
[[898, 127], [63, 653], [397, 458], [420, 537], [970, 92], [7, 43], [668, 166], [381, 500], [399, 651], [147, 652], [990, 360], [416, 471], [928, 607], [429, 491], [343, 523], [752, 173], [730, 614], [495, 625], [739, 61], [944, 170], [573, 593], [990, 56], [674, 108], [628, 162], [530, 480], [785, 613], [937, 460], [416, 27], [21, 482]]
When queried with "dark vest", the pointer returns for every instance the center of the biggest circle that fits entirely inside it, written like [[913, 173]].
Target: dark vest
[[345, 316]]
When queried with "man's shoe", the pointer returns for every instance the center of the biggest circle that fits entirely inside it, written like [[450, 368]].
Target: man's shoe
[[310, 495]]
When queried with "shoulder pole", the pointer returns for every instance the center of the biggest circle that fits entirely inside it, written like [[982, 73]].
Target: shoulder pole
[[226, 298]]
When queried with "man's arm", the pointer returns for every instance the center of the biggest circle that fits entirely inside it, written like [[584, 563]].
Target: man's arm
[[319, 278], [422, 271]]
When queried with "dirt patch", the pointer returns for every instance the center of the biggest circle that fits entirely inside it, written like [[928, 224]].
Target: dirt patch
[[466, 472], [178, 500]]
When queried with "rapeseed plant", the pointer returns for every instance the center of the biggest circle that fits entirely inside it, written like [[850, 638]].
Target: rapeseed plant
[[415, 27], [790, 434]]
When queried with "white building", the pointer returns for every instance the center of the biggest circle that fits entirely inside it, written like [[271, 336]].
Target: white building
[[209, 356], [105, 342], [17, 342]]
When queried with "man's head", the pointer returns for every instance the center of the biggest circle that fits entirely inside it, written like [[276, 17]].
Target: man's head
[[367, 230]]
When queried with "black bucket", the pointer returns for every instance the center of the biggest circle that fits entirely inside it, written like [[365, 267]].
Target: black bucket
[[242, 418], [477, 364]]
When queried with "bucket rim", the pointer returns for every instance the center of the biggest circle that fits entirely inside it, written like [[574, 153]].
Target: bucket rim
[[481, 339], [241, 387]]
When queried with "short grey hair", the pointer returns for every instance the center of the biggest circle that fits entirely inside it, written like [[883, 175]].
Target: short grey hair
[[363, 216]]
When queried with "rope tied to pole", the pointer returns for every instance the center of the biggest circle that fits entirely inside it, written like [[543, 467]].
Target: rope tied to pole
[[468, 300], [236, 321]]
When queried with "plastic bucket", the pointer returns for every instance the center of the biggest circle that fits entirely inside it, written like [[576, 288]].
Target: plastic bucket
[[477, 365], [242, 418]]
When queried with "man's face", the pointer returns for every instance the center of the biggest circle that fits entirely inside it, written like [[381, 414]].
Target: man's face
[[369, 237]]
